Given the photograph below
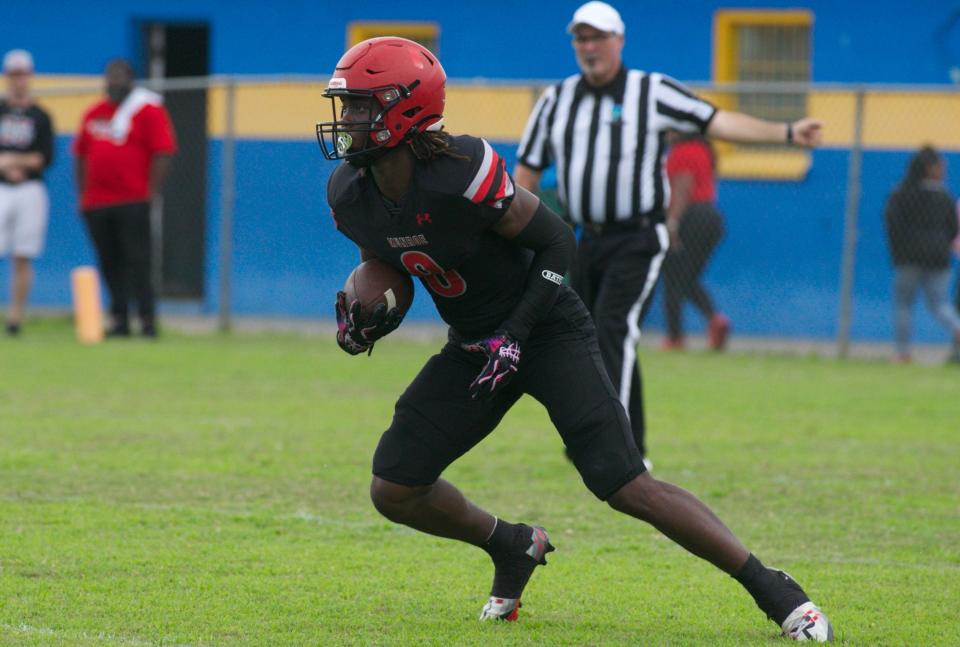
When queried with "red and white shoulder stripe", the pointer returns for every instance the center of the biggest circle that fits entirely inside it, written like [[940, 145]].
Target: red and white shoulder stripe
[[492, 184]]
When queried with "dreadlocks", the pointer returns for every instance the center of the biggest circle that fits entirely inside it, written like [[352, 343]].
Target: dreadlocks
[[430, 145]]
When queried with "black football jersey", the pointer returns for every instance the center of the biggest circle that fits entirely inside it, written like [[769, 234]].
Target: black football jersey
[[441, 232], [26, 130]]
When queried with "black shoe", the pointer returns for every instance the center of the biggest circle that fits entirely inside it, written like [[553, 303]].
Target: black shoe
[[13, 329], [149, 331]]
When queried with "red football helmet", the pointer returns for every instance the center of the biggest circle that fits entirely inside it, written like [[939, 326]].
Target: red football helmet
[[383, 91]]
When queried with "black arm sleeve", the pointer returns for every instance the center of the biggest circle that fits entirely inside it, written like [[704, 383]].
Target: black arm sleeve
[[554, 245]]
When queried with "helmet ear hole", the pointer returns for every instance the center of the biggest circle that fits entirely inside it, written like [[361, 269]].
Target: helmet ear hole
[[412, 111]]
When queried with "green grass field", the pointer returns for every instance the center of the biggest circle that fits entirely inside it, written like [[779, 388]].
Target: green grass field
[[213, 491]]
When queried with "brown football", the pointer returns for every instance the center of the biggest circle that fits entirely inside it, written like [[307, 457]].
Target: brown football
[[373, 282]]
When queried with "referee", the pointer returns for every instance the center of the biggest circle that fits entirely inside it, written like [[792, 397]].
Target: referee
[[605, 130]]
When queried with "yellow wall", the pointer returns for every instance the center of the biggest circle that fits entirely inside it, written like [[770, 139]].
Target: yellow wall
[[904, 120], [291, 111], [67, 109], [270, 111], [892, 119]]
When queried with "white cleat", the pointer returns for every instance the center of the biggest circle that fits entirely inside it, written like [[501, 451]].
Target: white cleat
[[807, 622], [500, 609]]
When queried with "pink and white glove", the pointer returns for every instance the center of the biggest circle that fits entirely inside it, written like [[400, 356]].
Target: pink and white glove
[[503, 358]]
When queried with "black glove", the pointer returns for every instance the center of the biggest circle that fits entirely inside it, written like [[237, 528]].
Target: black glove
[[503, 357], [356, 335]]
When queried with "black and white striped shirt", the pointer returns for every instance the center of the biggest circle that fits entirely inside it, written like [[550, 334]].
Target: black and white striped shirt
[[608, 143]]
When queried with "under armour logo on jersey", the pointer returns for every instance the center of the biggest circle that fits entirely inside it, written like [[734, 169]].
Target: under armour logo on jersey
[[423, 219]]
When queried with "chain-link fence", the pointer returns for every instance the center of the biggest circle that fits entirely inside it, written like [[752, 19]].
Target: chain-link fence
[[804, 250], [920, 221], [826, 209]]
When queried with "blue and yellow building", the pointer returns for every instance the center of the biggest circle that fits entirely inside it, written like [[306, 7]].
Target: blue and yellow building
[[884, 78]]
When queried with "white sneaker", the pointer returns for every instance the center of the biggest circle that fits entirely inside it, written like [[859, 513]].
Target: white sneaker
[[807, 622], [500, 609]]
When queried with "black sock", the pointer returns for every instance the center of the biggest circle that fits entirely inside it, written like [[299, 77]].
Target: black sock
[[502, 539], [775, 593], [749, 571], [512, 565]]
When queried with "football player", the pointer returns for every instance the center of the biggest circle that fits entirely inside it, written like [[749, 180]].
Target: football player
[[492, 256]]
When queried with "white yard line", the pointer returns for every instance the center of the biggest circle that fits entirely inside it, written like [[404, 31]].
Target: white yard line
[[101, 636]]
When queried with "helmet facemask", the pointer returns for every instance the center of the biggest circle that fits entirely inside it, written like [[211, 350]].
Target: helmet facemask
[[358, 133]]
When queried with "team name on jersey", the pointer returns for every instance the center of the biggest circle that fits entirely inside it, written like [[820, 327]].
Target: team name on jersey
[[403, 242]]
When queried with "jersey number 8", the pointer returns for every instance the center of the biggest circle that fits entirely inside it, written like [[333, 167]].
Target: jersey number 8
[[445, 283]]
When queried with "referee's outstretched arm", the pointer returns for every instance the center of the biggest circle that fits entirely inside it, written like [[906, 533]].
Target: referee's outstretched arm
[[738, 127]]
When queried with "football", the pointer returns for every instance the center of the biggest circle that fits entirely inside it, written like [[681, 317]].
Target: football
[[374, 282]]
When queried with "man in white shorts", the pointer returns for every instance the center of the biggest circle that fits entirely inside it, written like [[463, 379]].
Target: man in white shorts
[[26, 150]]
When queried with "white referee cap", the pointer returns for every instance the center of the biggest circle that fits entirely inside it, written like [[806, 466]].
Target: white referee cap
[[598, 15], [17, 60]]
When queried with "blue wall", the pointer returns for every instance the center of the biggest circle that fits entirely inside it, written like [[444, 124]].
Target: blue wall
[[884, 41], [777, 272]]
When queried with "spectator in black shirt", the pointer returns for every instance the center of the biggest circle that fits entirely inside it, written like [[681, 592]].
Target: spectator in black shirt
[[921, 224], [26, 149]]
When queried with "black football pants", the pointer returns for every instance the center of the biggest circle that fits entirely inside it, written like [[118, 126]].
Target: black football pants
[[435, 420], [121, 236], [615, 275]]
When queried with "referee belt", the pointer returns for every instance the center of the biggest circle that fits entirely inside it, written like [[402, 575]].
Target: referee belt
[[639, 223]]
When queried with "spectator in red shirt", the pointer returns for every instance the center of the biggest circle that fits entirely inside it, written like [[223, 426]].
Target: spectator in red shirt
[[695, 227], [123, 151]]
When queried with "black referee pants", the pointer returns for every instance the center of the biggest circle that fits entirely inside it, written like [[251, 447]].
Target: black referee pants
[[615, 276], [121, 236]]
